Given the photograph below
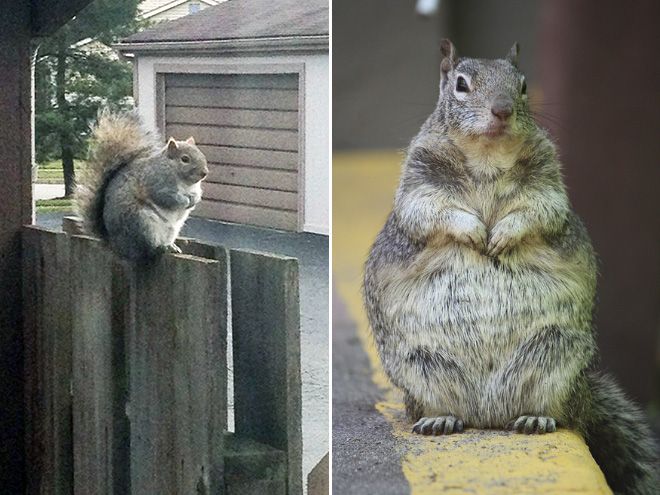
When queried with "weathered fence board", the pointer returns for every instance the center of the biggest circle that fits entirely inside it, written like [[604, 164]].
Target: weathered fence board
[[126, 370], [252, 468], [101, 311], [266, 345], [178, 374], [47, 334]]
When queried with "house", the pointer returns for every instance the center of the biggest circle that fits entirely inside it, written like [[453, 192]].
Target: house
[[153, 11], [249, 80], [167, 10]]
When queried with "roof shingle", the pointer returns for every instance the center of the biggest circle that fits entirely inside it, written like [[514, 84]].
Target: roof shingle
[[243, 19]]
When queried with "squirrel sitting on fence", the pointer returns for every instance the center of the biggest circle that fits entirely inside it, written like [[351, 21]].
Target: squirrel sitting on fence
[[135, 194], [480, 287]]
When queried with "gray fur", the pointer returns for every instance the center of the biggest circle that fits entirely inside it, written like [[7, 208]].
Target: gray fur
[[480, 287], [135, 195]]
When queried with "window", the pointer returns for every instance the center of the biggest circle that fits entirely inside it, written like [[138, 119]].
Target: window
[[193, 7]]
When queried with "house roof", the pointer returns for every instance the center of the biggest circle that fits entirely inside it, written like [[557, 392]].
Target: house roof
[[150, 8], [257, 24]]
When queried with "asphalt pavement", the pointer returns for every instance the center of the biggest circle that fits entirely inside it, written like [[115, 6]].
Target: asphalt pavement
[[366, 459]]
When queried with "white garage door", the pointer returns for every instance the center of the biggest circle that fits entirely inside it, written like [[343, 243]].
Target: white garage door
[[247, 126]]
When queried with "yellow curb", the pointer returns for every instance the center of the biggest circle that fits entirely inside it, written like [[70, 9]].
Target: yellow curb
[[478, 462]]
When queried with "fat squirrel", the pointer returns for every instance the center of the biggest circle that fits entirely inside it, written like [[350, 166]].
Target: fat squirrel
[[135, 194], [480, 287]]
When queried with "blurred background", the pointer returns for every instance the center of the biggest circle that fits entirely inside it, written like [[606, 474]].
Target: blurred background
[[592, 69]]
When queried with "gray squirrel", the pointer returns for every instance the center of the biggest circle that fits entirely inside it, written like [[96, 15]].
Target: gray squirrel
[[480, 287], [135, 194]]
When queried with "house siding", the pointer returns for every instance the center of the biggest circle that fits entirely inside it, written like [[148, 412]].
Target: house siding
[[173, 13]]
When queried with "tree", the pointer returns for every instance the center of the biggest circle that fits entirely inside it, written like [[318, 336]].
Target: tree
[[73, 79]]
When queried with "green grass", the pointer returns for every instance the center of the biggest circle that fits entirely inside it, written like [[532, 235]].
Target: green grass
[[51, 172], [55, 204]]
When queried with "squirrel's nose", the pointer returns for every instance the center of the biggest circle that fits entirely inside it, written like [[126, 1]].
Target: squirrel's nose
[[502, 107]]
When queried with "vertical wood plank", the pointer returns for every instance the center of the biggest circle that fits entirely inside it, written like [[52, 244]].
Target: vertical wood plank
[[48, 347], [15, 211], [266, 346], [101, 311], [32, 356], [177, 403]]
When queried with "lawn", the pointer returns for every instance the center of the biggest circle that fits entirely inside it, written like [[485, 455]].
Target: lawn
[[55, 204], [51, 172]]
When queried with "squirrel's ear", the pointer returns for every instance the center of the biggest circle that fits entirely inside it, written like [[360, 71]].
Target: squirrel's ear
[[448, 61], [513, 54], [448, 50], [172, 147], [190, 140]]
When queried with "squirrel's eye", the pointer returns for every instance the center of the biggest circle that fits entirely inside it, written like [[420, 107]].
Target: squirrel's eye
[[462, 85], [523, 90], [185, 158]]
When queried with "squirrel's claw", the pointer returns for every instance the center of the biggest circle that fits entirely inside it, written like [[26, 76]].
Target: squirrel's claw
[[498, 245], [473, 241], [173, 248], [442, 425], [533, 424]]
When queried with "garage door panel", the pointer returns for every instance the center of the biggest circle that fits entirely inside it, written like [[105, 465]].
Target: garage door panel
[[253, 177], [245, 81], [247, 125], [286, 160], [268, 99], [251, 196], [236, 136], [265, 217], [269, 119]]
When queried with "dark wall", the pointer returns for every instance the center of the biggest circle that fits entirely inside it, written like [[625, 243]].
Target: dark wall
[[385, 72], [601, 76]]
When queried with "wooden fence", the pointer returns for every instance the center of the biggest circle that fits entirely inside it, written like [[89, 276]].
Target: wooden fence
[[126, 370]]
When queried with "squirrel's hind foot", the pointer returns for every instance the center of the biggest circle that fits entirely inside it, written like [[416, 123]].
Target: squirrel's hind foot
[[441, 425], [533, 424]]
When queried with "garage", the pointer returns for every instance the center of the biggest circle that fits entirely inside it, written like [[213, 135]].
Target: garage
[[254, 92], [247, 125]]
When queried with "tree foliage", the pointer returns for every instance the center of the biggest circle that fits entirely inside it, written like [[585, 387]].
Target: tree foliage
[[73, 79]]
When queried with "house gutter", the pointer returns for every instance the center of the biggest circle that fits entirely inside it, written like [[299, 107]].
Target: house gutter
[[311, 43]]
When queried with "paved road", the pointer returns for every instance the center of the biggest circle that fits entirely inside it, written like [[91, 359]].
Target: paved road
[[48, 191], [366, 458], [312, 253]]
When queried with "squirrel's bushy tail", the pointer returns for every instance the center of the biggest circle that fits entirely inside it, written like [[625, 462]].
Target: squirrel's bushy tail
[[117, 140], [620, 439]]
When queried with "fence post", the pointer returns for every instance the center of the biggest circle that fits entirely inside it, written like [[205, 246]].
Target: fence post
[[266, 350], [47, 338], [177, 363], [101, 312]]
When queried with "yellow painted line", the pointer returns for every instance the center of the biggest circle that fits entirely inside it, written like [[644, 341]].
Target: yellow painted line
[[472, 462]]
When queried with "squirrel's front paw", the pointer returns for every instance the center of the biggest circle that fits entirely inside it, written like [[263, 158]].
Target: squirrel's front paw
[[471, 231], [173, 248], [503, 237], [193, 199], [533, 424], [442, 425]]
